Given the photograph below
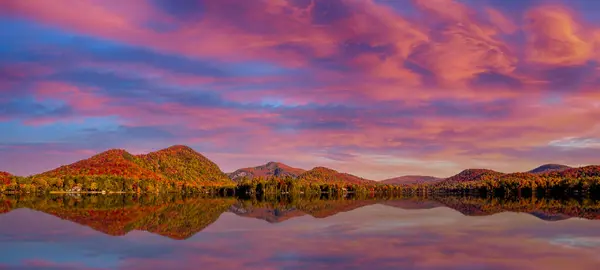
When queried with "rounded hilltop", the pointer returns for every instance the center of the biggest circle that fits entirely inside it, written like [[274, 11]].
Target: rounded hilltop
[[474, 175], [183, 163], [179, 147], [112, 152], [271, 168], [274, 164], [175, 164], [324, 174], [175, 149], [550, 168], [323, 170], [113, 162]]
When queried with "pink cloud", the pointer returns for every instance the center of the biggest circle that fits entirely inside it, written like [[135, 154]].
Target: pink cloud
[[500, 20], [554, 37], [429, 90], [38, 263], [465, 46], [79, 99]]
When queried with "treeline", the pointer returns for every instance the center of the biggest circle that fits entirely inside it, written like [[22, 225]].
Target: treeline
[[521, 185], [290, 185], [105, 184], [516, 184], [120, 184]]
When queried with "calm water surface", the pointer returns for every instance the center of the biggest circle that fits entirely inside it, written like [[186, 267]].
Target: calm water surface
[[122, 232]]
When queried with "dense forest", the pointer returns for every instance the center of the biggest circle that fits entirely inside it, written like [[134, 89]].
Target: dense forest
[[5, 178], [572, 181], [182, 170]]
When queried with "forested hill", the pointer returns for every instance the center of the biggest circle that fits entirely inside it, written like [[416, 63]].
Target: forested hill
[[181, 169], [326, 175], [550, 168], [115, 162], [272, 168], [181, 163], [174, 168]]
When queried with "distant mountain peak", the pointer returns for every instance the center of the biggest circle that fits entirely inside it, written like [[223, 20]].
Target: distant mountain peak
[[184, 163], [474, 170], [179, 147], [550, 168], [271, 168], [274, 164], [411, 179], [324, 169], [112, 152], [330, 175], [473, 175], [588, 171]]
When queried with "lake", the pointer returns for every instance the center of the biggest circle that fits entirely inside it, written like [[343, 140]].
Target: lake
[[176, 232]]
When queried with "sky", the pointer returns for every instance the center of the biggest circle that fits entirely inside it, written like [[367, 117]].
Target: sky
[[376, 88]]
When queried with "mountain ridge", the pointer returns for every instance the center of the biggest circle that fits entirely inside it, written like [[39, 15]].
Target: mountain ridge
[[470, 175], [549, 168], [323, 174], [114, 162], [176, 164], [411, 179], [271, 168], [183, 165]]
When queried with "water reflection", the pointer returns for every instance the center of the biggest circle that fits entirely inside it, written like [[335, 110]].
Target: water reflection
[[75, 232]]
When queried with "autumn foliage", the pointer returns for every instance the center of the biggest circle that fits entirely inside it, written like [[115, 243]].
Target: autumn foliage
[[182, 164], [177, 168], [573, 180], [5, 178], [326, 175], [179, 164], [181, 169], [116, 162], [474, 175]]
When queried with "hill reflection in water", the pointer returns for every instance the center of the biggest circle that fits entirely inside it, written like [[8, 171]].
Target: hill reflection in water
[[78, 232]]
